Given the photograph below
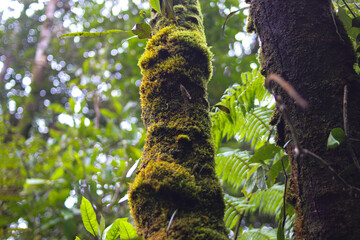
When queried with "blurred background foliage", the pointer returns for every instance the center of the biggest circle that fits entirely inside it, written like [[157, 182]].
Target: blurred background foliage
[[75, 129]]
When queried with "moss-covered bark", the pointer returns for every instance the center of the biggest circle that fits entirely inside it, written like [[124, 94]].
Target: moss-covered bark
[[176, 176], [302, 43]]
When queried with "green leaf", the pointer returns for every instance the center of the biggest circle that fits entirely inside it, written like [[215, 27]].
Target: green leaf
[[228, 17], [107, 113], [223, 108], [88, 216], [266, 152], [91, 34], [77, 238], [102, 224], [168, 9], [347, 22], [57, 108], [121, 228], [336, 137], [356, 22], [57, 174], [155, 4], [142, 30]]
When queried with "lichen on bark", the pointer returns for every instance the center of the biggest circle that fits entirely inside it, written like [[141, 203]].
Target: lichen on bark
[[177, 168]]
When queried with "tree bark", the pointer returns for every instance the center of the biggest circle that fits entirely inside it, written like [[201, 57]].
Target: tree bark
[[33, 104], [305, 43], [176, 194]]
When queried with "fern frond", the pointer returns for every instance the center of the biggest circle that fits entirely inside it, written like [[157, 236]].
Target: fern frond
[[234, 208], [268, 202], [250, 108], [233, 167], [259, 234]]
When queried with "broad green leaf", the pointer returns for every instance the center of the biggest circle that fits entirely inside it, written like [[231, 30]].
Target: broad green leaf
[[77, 238], [91, 34], [102, 225], [57, 108], [336, 137], [142, 30], [57, 174], [155, 4], [261, 178], [168, 9], [121, 228], [266, 152], [107, 113], [88, 216]]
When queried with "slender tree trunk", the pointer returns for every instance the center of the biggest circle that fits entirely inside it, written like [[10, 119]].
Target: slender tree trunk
[[176, 194], [306, 44], [33, 103]]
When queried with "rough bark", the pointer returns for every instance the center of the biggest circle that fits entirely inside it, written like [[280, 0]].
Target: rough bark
[[33, 104], [176, 179], [306, 44]]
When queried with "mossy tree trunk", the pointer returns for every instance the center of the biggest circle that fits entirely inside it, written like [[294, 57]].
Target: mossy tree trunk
[[176, 178], [306, 44]]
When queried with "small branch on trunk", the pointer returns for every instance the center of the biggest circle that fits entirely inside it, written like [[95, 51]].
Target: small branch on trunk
[[346, 128]]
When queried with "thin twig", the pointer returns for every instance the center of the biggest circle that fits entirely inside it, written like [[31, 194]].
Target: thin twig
[[284, 197], [97, 110], [238, 224], [331, 169], [347, 6], [290, 90], [346, 128], [356, 5]]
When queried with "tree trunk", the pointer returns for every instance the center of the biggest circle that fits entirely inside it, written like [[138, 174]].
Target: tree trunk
[[306, 44], [33, 104], [176, 194]]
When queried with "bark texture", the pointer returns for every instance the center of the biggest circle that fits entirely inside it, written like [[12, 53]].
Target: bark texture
[[176, 179], [306, 44]]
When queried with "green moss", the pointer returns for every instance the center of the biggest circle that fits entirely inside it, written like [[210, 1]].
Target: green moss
[[183, 138]]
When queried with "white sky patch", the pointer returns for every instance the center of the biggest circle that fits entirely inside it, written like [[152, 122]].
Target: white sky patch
[[76, 92], [125, 125], [34, 7], [10, 9], [66, 119], [26, 81], [12, 105]]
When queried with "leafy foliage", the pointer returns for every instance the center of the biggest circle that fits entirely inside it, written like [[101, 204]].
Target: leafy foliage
[[250, 111], [252, 175], [119, 228]]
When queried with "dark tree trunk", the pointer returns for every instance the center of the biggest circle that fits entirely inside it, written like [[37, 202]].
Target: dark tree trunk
[[306, 44], [176, 194]]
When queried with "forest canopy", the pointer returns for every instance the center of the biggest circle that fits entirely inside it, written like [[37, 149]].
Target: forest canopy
[[71, 134]]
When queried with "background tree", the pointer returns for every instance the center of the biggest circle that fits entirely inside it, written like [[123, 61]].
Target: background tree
[[315, 55]]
